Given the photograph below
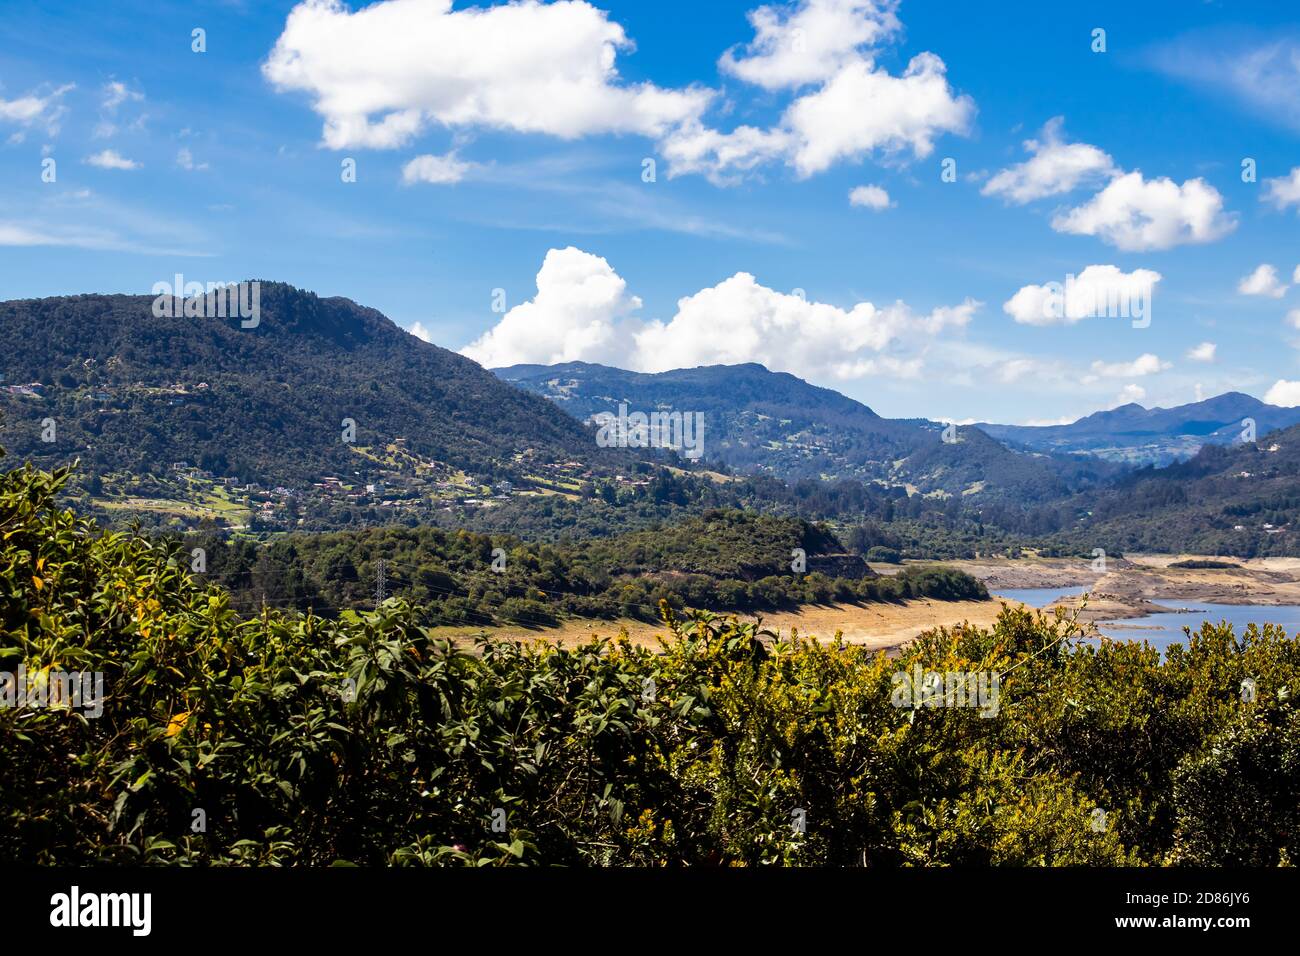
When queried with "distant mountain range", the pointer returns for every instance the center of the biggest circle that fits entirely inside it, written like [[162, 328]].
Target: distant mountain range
[[769, 421], [1132, 434], [192, 419], [775, 423]]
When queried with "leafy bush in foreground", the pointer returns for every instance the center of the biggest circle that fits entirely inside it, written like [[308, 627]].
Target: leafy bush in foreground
[[366, 740]]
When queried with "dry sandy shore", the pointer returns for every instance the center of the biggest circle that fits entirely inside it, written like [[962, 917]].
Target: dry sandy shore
[[882, 626], [1125, 589]]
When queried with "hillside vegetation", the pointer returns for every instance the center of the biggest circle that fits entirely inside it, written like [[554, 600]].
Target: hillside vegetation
[[133, 393], [722, 560]]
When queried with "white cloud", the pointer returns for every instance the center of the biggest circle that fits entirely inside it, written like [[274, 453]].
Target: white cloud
[[1145, 364], [1283, 191], [583, 311], [111, 159], [1129, 394], [723, 157], [1295, 274], [872, 197], [810, 43], [1260, 71], [863, 109], [1055, 167], [185, 160], [84, 237], [574, 316], [420, 332], [1204, 352], [116, 93], [435, 169], [36, 108], [1138, 215], [1283, 393], [1263, 281], [739, 320], [857, 109], [379, 75], [14, 234], [1099, 290]]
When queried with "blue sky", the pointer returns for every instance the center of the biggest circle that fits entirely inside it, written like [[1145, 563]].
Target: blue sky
[[489, 141]]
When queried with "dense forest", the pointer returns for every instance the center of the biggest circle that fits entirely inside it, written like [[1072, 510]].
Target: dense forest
[[292, 739], [722, 560]]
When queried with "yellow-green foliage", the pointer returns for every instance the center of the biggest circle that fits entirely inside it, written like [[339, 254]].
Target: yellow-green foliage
[[307, 741]]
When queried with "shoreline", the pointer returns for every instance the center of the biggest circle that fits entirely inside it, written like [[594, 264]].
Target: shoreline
[[1128, 587], [1119, 598]]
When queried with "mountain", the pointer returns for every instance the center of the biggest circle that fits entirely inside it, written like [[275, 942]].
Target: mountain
[[1240, 499], [1133, 434], [772, 422], [140, 398]]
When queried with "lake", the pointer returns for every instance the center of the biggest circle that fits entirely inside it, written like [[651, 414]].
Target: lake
[[1038, 597], [1161, 630]]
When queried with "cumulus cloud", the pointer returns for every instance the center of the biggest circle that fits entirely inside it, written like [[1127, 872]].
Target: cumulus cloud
[[583, 311], [1145, 364], [809, 43], [1283, 393], [1054, 167], [857, 109], [420, 332], [864, 108], [1283, 191], [1204, 352], [723, 158], [380, 75], [871, 197], [1099, 290], [1263, 281], [435, 169], [1137, 215], [740, 320], [575, 315], [111, 159]]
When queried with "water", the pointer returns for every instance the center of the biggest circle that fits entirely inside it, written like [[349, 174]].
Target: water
[[1038, 597], [1161, 630]]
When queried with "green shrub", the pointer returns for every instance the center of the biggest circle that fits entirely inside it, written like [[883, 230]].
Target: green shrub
[[368, 739]]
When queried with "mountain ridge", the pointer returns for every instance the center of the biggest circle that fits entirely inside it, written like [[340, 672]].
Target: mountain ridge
[[774, 422]]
